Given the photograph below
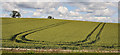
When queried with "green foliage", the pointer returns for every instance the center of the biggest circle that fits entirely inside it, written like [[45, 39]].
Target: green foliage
[[15, 14]]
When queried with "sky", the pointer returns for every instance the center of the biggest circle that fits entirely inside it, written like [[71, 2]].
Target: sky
[[83, 10]]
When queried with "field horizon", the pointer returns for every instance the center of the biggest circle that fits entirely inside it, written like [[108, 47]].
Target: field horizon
[[56, 19]]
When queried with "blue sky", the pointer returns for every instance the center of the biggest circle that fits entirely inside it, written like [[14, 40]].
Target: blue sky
[[83, 11]]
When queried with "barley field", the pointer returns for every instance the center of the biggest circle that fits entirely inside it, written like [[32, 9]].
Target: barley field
[[44, 33]]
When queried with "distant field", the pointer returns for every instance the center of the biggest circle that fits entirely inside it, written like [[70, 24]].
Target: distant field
[[58, 34]]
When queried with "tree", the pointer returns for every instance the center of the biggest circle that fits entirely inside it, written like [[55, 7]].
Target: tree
[[49, 17], [15, 14]]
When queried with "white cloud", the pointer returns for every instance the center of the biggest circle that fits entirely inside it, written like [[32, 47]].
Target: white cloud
[[100, 19], [52, 9], [37, 5], [5, 15], [93, 0], [60, 15], [36, 14], [59, 0], [9, 6], [60, 10], [31, 1], [72, 13], [83, 10], [26, 12], [39, 10], [96, 8], [75, 18], [63, 9], [105, 12]]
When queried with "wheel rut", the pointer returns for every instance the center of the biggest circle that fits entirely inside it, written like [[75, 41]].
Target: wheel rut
[[88, 37], [23, 34], [96, 38], [28, 32]]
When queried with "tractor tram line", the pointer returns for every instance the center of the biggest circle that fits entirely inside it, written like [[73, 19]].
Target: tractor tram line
[[25, 33]]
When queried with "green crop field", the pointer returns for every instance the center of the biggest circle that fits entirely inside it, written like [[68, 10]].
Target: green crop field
[[58, 34]]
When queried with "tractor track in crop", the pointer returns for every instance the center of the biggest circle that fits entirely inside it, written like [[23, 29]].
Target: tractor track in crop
[[71, 43], [88, 36], [28, 32], [86, 39], [25, 33], [97, 37]]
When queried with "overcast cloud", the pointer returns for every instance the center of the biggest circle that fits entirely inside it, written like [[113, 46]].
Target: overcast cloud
[[85, 11]]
